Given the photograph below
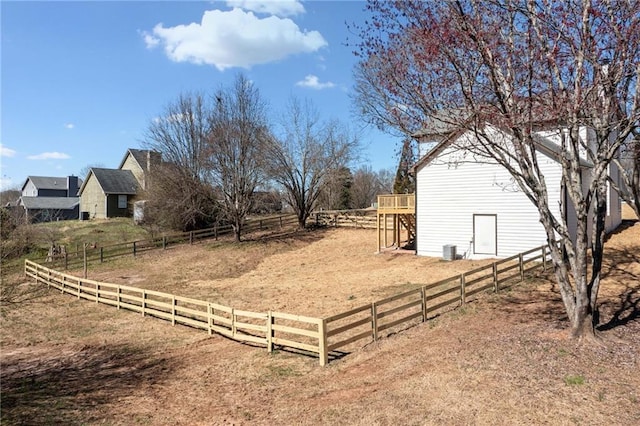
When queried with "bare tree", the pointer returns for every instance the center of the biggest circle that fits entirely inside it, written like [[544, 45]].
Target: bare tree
[[85, 170], [181, 196], [179, 200], [9, 196], [368, 184], [364, 187], [181, 134], [236, 148], [518, 66], [336, 192], [302, 160]]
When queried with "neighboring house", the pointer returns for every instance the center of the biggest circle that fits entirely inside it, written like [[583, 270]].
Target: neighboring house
[[140, 162], [475, 205], [108, 193], [47, 186], [47, 198], [48, 209], [112, 192]]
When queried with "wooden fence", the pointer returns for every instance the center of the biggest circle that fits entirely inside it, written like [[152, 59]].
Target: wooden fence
[[100, 254], [368, 322], [321, 336], [262, 328], [365, 219]]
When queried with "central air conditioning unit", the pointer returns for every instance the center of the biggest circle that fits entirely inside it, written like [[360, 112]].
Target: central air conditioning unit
[[449, 252]]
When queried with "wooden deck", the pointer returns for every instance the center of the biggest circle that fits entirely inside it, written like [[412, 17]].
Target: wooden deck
[[400, 210]]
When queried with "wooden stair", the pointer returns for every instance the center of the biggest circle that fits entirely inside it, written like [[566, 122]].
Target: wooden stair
[[409, 223]]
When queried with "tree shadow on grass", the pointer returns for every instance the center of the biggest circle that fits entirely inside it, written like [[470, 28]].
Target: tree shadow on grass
[[627, 309], [70, 387], [527, 302]]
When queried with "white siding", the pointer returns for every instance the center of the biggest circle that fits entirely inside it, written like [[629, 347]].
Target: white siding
[[450, 192], [614, 208], [30, 190]]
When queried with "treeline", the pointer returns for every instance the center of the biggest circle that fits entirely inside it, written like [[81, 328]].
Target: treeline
[[224, 160]]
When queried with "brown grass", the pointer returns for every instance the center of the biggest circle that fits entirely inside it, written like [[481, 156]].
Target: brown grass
[[504, 359]]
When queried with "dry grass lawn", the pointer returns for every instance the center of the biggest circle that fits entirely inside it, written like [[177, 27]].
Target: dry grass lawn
[[504, 359]]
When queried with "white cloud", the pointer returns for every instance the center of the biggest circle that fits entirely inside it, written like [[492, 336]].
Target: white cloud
[[150, 40], [235, 38], [49, 156], [312, 82], [6, 152], [69, 126], [278, 8]]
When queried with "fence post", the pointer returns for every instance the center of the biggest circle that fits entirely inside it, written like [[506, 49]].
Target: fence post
[[374, 321], [101, 255], [118, 297], [79, 287], [280, 222], [495, 277], [233, 323], [322, 342], [544, 258], [164, 242], [190, 237], [209, 317], [521, 267], [423, 297], [215, 231], [97, 292], [462, 290], [269, 332], [174, 303], [134, 249], [84, 261], [144, 303]]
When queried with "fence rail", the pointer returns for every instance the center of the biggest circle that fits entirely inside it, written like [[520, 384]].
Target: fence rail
[[347, 219], [100, 254], [321, 336], [263, 328], [422, 303]]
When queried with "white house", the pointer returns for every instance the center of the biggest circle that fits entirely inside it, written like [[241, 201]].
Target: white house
[[475, 205]]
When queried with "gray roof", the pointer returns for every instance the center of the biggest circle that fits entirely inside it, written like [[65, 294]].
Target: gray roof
[[51, 203], [116, 181], [555, 150], [443, 123], [140, 156], [50, 182]]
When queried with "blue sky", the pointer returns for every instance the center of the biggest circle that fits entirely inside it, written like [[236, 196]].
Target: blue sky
[[82, 80]]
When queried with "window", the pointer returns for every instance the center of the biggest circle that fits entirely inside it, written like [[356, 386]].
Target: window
[[122, 201]]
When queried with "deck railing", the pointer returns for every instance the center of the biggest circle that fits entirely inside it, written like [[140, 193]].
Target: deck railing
[[397, 202]]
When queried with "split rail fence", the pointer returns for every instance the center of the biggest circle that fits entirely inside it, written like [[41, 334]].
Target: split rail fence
[[328, 338], [73, 260], [365, 219], [262, 328]]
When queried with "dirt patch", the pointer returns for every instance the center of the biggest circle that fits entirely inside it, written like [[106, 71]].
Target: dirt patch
[[504, 359]]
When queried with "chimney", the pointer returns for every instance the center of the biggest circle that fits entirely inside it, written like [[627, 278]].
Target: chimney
[[72, 186], [153, 159]]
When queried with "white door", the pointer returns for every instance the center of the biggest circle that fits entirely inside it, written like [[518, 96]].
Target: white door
[[484, 234]]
